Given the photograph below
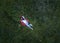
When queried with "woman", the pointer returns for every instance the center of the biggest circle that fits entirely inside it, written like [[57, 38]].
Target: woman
[[25, 22]]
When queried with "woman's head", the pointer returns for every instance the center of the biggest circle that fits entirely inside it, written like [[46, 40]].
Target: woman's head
[[22, 17]]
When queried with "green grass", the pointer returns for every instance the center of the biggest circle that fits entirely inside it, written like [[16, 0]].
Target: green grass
[[43, 14]]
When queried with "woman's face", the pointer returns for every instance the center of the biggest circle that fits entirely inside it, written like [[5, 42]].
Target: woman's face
[[22, 18]]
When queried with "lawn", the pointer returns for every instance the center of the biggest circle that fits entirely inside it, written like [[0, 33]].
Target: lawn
[[43, 14]]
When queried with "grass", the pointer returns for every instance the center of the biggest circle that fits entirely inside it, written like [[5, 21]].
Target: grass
[[44, 15]]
